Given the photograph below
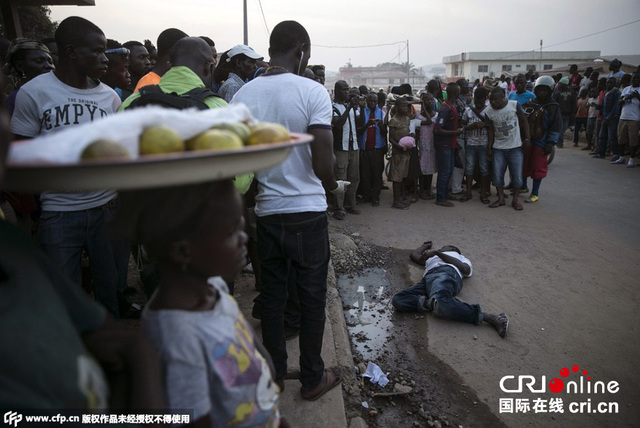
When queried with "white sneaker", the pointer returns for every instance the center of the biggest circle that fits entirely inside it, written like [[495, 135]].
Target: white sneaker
[[631, 163], [619, 161]]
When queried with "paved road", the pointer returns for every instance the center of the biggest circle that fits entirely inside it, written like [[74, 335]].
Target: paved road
[[567, 272]]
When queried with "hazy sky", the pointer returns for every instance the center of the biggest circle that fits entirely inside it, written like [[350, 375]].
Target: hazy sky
[[434, 28]]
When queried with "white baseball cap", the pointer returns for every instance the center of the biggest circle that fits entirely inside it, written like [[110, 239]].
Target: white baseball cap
[[243, 50]]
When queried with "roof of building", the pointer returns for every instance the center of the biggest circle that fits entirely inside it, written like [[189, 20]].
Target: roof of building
[[522, 56]]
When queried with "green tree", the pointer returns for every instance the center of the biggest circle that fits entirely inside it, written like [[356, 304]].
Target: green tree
[[35, 22]]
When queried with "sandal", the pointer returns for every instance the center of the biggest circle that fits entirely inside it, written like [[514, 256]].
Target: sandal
[[445, 204], [516, 205], [353, 211], [400, 206], [330, 379], [465, 198], [496, 204], [484, 200]]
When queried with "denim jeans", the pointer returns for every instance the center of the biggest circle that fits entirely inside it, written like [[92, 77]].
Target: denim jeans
[[566, 120], [436, 293], [444, 159], [608, 135], [473, 153], [507, 157], [62, 236], [581, 122], [294, 246]]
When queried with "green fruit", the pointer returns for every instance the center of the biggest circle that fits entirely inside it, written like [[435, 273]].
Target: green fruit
[[265, 133], [215, 139], [160, 139], [105, 149], [238, 128]]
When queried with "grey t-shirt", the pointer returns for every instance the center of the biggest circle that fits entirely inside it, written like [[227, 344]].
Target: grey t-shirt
[[505, 125], [45, 105], [212, 365]]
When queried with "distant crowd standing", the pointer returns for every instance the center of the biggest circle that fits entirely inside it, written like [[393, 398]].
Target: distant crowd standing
[[196, 350], [473, 132]]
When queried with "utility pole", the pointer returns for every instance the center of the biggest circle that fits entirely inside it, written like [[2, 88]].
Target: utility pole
[[408, 67], [540, 54], [246, 28]]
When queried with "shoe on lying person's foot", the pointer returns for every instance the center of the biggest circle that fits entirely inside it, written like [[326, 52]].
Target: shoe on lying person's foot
[[502, 325]]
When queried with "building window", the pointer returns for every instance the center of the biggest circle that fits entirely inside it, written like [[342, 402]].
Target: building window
[[548, 66], [391, 81], [506, 67], [483, 69], [517, 65], [531, 67], [456, 69]]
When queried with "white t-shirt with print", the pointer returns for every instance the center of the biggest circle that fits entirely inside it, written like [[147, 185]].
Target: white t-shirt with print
[[211, 364], [46, 105], [476, 137], [630, 109], [506, 128], [436, 261], [593, 111], [298, 104]]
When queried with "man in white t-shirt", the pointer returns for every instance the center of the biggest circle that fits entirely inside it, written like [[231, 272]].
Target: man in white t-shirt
[[293, 238], [68, 96], [345, 145], [629, 124], [441, 282], [506, 119]]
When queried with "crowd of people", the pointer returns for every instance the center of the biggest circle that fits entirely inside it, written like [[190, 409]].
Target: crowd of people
[[471, 132], [196, 350]]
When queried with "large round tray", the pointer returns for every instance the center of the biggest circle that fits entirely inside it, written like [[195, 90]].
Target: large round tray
[[147, 171]]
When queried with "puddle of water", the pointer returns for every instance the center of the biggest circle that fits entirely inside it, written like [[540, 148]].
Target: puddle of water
[[367, 311]]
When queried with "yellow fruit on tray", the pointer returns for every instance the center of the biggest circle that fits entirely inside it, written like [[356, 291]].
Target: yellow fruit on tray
[[238, 128], [105, 149], [160, 139], [215, 139], [265, 133]]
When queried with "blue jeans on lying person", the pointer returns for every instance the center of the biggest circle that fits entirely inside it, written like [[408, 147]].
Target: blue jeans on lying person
[[436, 293]]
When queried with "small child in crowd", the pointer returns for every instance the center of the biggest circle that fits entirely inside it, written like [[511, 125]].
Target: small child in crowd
[[582, 114], [398, 128], [213, 362], [592, 116], [426, 149]]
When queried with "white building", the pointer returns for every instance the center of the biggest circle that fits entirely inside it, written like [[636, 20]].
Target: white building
[[476, 65]]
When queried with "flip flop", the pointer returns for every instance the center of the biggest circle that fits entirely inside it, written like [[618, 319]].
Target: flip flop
[[496, 204], [330, 379], [516, 205], [484, 200]]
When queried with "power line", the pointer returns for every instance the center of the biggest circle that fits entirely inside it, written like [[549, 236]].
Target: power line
[[358, 47], [571, 40], [263, 18]]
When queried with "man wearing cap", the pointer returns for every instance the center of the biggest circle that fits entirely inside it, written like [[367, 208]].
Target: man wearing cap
[[242, 64], [567, 100]]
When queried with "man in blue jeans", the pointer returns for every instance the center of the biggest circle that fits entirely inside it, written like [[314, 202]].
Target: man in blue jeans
[[72, 95], [442, 281]]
